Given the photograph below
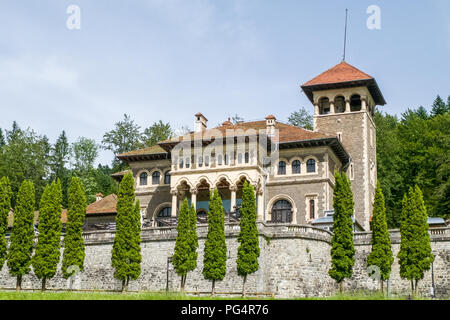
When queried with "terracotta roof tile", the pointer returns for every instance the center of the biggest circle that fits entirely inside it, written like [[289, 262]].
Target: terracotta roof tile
[[287, 132], [342, 72], [150, 150], [105, 205]]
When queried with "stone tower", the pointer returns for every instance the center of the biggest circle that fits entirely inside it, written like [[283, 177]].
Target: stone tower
[[344, 101]]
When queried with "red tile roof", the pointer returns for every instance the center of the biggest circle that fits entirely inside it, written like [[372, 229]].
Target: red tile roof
[[105, 205], [342, 72], [286, 132]]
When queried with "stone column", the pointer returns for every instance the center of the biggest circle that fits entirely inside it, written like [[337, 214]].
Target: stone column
[[363, 104], [194, 198], [332, 111], [233, 190], [174, 202], [260, 207], [347, 105]]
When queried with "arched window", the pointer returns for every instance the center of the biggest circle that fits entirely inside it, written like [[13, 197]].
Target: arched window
[[143, 179], [324, 106], [239, 158], [282, 212], [281, 167], [311, 165], [219, 160], [339, 104], [181, 163], [167, 177], [226, 160], [296, 166], [206, 161], [247, 159], [200, 161], [156, 177], [312, 209], [355, 102], [188, 162], [164, 213]]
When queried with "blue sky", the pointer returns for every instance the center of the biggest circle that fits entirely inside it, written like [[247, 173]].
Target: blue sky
[[168, 59]]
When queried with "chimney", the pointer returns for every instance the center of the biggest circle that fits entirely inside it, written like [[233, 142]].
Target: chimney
[[99, 197], [200, 122], [270, 125]]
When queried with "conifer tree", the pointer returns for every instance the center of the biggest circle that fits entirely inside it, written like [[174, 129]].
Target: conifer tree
[[248, 251], [342, 248], [22, 236], [47, 252], [215, 255], [126, 253], [74, 249], [415, 255], [5, 207], [185, 256], [381, 254]]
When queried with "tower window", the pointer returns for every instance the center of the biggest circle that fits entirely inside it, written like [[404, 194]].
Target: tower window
[[200, 161], [355, 102], [282, 212], [206, 161], [339, 104], [239, 158], [311, 165], [188, 162], [281, 167], [181, 164], [219, 160], [296, 167], [324, 106], [247, 158]]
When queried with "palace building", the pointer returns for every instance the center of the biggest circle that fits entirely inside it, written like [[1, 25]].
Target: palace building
[[291, 168]]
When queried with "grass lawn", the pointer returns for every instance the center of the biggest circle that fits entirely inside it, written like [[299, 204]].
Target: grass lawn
[[49, 295]]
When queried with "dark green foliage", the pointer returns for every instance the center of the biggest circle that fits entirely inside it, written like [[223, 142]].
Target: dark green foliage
[[248, 251], [159, 131], [301, 118], [5, 207], [185, 256], [22, 236], [342, 249], [25, 156], [415, 255], [439, 107], [126, 253], [215, 254], [413, 151], [381, 254], [73, 243], [47, 251]]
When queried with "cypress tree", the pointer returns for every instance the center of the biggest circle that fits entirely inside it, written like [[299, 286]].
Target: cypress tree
[[342, 249], [5, 207], [248, 251], [185, 256], [47, 252], [73, 243], [126, 253], [215, 255], [22, 236], [381, 254], [415, 255]]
